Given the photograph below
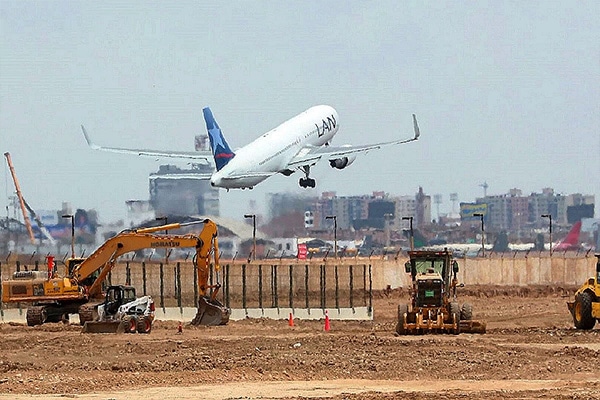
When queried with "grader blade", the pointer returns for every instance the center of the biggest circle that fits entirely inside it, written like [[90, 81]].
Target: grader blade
[[103, 327], [211, 313], [472, 326]]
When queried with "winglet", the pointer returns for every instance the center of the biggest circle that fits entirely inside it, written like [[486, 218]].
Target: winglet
[[416, 126], [87, 139]]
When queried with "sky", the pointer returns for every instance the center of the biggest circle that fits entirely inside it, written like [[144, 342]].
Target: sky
[[506, 92]]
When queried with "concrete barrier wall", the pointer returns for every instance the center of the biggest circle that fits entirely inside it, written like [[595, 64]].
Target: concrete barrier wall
[[504, 271]]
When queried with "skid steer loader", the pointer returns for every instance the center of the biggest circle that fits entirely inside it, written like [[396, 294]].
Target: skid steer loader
[[122, 312]]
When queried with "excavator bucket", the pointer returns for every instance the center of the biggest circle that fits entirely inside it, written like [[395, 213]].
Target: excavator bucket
[[103, 327], [211, 312], [472, 326]]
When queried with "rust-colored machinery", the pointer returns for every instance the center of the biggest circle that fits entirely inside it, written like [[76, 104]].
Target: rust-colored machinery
[[53, 298], [585, 309], [433, 307]]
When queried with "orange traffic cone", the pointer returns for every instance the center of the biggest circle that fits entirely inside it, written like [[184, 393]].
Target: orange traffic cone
[[291, 320], [180, 327], [327, 323]]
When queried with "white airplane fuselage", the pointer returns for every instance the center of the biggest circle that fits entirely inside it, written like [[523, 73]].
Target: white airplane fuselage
[[272, 152]]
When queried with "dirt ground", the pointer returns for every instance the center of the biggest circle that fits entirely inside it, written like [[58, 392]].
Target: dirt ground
[[530, 351]]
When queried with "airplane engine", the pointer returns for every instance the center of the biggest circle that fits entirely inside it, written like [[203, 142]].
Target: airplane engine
[[341, 163]]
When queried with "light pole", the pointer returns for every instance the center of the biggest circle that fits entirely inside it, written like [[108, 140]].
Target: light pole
[[549, 216], [334, 218], [72, 233], [253, 216], [480, 215], [412, 235]]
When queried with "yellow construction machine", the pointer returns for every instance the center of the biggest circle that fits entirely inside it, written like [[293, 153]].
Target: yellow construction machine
[[79, 291], [585, 309], [433, 306]]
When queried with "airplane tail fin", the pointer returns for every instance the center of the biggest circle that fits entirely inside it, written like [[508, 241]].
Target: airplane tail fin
[[220, 149], [572, 239]]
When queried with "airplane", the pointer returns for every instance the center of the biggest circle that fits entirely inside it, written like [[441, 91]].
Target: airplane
[[571, 241], [298, 143]]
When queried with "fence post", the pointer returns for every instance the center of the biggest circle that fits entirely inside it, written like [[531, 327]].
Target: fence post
[[322, 285], [260, 287], [226, 291], [127, 274], [144, 277], [307, 305], [365, 294], [351, 273], [274, 289], [337, 288], [291, 287], [162, 288], [244, 286], [178, 283], [370, 310]]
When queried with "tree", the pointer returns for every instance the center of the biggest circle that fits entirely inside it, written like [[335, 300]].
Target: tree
[[501, 243]]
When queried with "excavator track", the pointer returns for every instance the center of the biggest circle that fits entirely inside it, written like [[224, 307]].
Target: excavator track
[[88, 312], [36, 315], [211, 313]]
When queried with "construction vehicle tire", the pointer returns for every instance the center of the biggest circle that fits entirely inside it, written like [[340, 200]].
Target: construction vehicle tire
[[456, 320], [129, 323], [144, 325], [454, 309], [466, 312], [402, 311], [582, 315]]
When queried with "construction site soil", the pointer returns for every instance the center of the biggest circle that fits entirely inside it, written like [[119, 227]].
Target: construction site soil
[[530, 351]]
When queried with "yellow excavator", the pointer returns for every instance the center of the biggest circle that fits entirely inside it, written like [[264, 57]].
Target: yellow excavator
[[53, 298]]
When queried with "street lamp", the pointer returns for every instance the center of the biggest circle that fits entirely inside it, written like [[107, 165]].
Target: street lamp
[[549, 216], [253, 216], [480, 215], [412, 235], [72, 233], [334, 218]]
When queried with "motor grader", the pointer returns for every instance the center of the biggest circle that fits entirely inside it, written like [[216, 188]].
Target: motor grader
[[585, 309], [53, 298], [433, 306]]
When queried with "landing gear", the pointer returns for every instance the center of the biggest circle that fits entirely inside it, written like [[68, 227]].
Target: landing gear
[[307, 182]]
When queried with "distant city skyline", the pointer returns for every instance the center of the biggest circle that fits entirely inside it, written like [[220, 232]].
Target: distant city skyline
[[505, 93]]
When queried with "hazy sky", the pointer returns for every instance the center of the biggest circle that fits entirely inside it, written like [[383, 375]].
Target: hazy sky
[[505, 92]]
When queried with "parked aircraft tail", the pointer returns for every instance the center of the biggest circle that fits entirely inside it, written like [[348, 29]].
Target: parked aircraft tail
[[571, 241], [220, 149]]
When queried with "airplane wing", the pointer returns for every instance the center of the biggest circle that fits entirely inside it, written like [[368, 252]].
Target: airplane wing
[[193, 155], [311, 155]]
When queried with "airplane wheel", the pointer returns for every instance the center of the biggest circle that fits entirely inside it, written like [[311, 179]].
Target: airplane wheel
[[312, 183], [302, 182]]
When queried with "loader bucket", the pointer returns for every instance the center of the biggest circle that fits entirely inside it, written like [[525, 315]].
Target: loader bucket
[[103, 327], [472, 326], [211, 312]]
